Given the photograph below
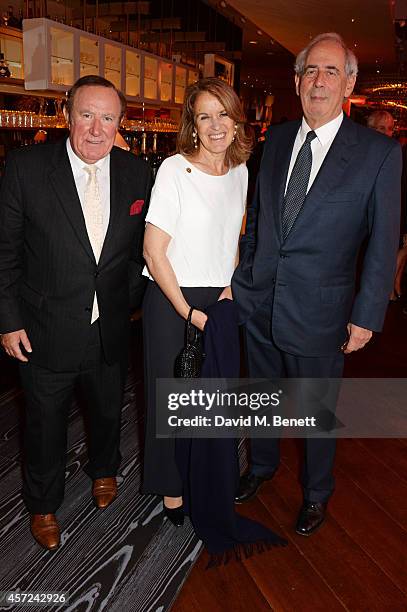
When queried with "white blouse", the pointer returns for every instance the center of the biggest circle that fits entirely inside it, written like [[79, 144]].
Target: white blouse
[[203, 215]]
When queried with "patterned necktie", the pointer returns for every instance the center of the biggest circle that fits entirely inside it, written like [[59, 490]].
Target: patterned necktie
[[93, 213], [297, 185]]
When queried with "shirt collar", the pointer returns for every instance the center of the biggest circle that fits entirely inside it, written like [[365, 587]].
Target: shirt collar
[[77, 163], [325, 133]]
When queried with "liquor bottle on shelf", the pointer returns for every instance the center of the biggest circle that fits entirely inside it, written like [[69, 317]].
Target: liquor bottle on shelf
[[127, 139], [143, 154], [20, 19], [155, 158], [4, 69], [134, 145], [12, 21]]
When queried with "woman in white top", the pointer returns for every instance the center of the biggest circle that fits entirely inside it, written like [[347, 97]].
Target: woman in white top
[[191, 250]]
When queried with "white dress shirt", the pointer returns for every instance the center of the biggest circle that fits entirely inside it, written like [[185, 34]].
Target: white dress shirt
[[319, 146], [81, 178]]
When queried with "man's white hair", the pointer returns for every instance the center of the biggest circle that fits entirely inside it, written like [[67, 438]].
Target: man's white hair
[[377, 116], [351, 63]]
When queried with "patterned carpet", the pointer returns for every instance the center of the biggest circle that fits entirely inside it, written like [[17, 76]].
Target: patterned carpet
[[125, 558]]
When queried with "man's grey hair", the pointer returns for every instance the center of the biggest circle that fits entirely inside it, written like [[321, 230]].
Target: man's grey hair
[[351, 63], [377, 116]]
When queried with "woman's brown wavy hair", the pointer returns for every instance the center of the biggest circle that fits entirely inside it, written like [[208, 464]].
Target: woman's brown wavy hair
[[240, 149]]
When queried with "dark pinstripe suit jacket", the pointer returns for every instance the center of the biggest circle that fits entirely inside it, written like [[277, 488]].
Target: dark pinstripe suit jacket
[[48, 273]]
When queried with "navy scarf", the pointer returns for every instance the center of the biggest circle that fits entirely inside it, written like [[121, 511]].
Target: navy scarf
[[209, 467]]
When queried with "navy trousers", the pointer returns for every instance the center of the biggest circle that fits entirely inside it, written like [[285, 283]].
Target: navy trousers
[[266, 360]]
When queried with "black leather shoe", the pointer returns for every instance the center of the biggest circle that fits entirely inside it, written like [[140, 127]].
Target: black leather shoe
[[311, 516], [175, 515], [249, 485]]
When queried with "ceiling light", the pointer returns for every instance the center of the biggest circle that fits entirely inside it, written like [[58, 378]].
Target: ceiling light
[[391, 103], [386, 86], [242, 19], [259, 32], [223, 4], [252, 42]]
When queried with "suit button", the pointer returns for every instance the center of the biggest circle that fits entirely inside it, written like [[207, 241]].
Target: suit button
[[282, 256], [88, 309], [96, 274], [273, 280]]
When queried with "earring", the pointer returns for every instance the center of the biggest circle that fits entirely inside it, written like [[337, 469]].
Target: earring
[[234, 133], [195, 138]]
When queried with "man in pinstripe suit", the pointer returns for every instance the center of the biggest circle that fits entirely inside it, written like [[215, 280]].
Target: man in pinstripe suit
[[71, 229]]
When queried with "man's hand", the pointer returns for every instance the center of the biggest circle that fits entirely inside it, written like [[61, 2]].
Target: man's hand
[[401, 264], [358, 337], [11, 344]]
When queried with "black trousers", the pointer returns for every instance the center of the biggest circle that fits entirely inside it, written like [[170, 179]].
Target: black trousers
[[163, 338], [266, 360], [48, 397]]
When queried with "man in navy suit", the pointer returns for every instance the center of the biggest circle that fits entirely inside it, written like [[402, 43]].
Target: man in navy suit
[[324, 187], [71, 232]]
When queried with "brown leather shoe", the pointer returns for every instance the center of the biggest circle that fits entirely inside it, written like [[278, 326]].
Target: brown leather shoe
[[104, 491], [45, 530]]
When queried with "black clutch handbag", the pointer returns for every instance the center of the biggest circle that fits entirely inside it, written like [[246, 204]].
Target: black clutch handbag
[[188, 364]]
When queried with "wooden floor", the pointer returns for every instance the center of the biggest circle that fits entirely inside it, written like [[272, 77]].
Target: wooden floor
[[358, 559], [356, 562]]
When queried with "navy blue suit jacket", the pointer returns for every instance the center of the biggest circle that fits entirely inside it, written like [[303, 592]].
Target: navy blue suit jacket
[[310, 277]]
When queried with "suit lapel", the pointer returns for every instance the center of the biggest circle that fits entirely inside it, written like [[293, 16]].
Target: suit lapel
[[62, 180], [274, 169], [118, 189], [334, 166], [282, 164]]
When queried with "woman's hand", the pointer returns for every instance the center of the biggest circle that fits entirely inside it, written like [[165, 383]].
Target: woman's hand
[[198, 319], [226, 294]]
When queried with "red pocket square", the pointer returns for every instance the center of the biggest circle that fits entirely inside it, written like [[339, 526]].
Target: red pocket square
[[136, 207]]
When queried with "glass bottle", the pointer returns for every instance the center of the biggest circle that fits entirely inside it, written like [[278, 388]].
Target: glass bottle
[[4, 69], [154, 163], [134, 146], [143, 154]]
